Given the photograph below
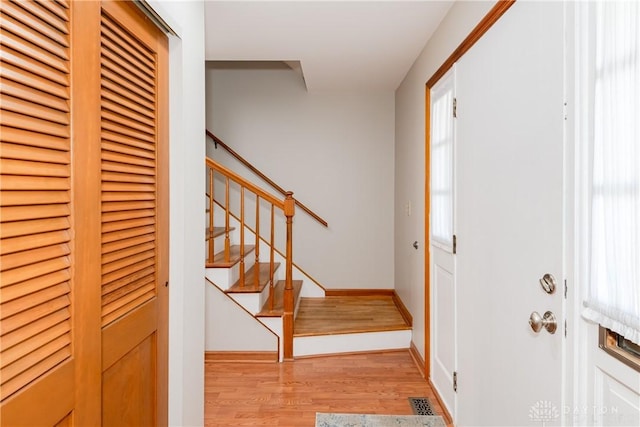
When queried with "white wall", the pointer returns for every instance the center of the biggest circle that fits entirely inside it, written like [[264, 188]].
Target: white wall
[[333, 149], [186, 252], [410, 157], [226, 312]]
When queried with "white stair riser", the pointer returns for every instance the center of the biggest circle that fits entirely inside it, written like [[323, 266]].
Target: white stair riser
[[347, 343], [224, 278], [252, 302]]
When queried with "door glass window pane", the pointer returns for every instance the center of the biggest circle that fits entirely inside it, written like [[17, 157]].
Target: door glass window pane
[[442, 139]]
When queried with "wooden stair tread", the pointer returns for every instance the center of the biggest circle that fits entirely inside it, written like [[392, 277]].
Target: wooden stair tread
[[217, 231], [336, 315], [250, 284], [234, 257], [278, 299]]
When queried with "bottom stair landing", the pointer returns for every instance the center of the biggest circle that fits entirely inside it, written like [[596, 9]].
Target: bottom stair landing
[[344, 324]]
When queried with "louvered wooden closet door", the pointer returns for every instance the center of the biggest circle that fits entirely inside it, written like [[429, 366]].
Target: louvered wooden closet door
[[134, 242], [83, 215], [35, 212]]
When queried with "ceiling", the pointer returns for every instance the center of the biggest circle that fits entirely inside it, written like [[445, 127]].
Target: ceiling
[[340, 45]]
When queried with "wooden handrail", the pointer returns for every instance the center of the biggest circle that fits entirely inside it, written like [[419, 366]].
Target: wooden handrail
[[252, 187], [255, 170]]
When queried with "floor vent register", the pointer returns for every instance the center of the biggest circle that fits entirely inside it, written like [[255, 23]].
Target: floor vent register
[[421, 406]]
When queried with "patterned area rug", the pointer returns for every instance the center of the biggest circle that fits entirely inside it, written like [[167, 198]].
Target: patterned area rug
[[363, 420]]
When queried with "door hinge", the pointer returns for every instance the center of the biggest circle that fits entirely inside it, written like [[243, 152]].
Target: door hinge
[[565, 288], [455, 381], [455, 107], [565, 328], [455, 243]]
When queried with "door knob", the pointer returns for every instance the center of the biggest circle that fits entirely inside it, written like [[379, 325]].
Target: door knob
[[415, 245], [548, 321]]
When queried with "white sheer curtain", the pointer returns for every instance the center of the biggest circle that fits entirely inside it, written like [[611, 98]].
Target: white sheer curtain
[[441, 168], [613, 297]]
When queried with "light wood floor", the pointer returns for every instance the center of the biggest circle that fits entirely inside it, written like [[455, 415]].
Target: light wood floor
[[290, 393], [344, 314]]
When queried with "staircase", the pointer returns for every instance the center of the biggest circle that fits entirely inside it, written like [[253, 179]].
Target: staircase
[[255, 291]]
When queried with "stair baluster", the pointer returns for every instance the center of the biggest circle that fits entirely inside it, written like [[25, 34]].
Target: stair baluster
[[242, 236], [256, 276], [227, 241], [211, 205], [271, 265]]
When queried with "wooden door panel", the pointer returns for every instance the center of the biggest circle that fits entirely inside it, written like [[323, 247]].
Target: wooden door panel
[[35, 214], [133, 190], [128, 387], [127, 332]]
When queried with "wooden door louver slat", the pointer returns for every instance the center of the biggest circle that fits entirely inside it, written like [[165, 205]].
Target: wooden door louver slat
[[30, 109], [123, 37], [46, 38], [126, 168], [120, 266], [120, 108], [16, 68], [31, 344], [130, 123], [21, 136], [11, 214], [119, 177], [39, 325], [35, 216], [34, 124], [20, 92], [35, 18], [119, 74], [108, 249], [26, 243], [10, 293], [34, 168], [36, 154], [20, 66], [123, 129], [130, 104], [129, 224], [25, 257], [125, 70], [141, 149], [57, 7], [115, 51], [128, 120], [50, 293], [40, 13], [35, 269], [16, 198], [109, 258], [113, 82], [34, 227], [37, 53]]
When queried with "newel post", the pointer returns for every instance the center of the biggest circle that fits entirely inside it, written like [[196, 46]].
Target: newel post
[[287, 318]]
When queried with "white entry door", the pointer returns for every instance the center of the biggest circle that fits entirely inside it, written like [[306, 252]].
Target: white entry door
[[442, 287], [509, 203]]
